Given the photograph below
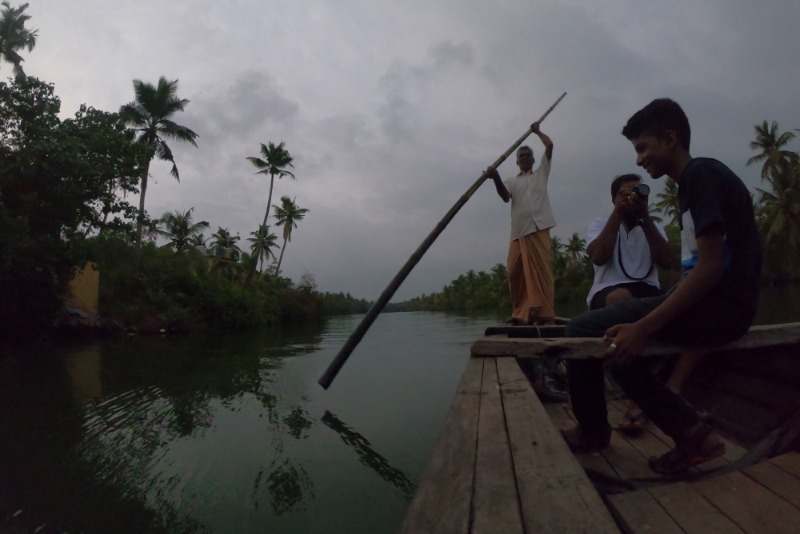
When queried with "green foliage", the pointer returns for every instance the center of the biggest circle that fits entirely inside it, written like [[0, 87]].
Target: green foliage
[[345, 304], [59, 181], [15, 36], [778, 207]]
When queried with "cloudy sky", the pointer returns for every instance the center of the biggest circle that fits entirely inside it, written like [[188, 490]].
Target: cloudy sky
[[392, 109]]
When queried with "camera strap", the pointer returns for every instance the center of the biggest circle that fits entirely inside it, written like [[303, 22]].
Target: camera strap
[[622, 266]]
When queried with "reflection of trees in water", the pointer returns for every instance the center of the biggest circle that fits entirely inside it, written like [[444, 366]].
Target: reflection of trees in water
[[369, 457], [288, 484], [154, 397]]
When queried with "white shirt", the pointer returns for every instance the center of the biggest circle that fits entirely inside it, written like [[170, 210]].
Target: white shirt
[[530, 205], [636, 257]]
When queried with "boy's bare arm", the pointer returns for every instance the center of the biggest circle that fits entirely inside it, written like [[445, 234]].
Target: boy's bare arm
[[630, 339]]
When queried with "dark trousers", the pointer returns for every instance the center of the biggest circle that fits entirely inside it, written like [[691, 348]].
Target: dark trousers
[[712, 321]]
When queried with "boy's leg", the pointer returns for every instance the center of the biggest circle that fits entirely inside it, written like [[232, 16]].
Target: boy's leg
[[585, 377]]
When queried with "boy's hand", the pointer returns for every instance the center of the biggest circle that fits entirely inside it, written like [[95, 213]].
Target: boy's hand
[[535, 127], [626, 344], [492, 173]]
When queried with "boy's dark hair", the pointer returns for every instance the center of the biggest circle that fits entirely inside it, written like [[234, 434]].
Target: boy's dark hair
[[656, 118], [621, 179]]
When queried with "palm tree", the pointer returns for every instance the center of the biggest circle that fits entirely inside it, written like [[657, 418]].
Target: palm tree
[[575, 247], [262, 244], [180, 229], [14, 36], [770, 142], [222, 238], [276, 161], [197, 240], [668, 203], [287, 215], [151, 115]]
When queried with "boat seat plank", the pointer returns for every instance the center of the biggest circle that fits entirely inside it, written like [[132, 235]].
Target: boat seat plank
[[750, 505], [555, 494], [495, 503], [442, 501], [761, 336]]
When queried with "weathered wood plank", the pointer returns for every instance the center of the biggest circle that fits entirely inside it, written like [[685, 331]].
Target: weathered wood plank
[[561, 416], [442, 501], [750, 505], [495, 501], [691, 511], [638, 511], [582, 348], [777, 480], [788, 462], [555, 494]]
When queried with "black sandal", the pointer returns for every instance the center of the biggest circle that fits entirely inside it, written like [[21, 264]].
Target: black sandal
[[688, 453]]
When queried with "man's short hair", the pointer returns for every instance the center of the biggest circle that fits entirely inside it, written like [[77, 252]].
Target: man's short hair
[[656, 118], [525, 148], [621, 179]]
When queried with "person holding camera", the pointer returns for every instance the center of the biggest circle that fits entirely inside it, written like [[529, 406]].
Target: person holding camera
[[626, 250], [627, 247]]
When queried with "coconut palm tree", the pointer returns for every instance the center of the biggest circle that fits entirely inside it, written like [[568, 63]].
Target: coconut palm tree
[[770, 143], [222, 238], [262, 244], [14, 36], [575, 247], [180, 229], [668, 203], [287, 215], [151, 114], [275, 161]]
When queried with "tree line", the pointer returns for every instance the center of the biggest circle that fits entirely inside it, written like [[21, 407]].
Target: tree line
[[64, 190]]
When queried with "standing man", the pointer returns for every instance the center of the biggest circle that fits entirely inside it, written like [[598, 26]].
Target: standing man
[[714, 303], [530, 280]]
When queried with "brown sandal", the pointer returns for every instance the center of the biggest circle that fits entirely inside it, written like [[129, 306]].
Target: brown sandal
[[688, 453]]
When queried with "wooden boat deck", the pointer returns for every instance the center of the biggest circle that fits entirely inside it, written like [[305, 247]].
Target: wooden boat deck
[[500, 465]]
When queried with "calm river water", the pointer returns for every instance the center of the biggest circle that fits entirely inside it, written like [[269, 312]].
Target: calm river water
[[229, 433], [232, 433]]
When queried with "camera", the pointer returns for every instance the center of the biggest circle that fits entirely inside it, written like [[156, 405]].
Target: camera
[[641, 190]]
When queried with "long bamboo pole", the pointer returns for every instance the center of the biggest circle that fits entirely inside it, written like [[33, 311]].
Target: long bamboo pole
[[355, 338]]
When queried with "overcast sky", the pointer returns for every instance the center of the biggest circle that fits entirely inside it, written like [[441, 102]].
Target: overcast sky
[[392, 109]]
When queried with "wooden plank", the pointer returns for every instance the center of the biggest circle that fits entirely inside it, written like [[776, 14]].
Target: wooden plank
[[442, 501], [691, 511], [777, 480], [789, 462], [495, 501], [555, 494], [584, 347], [560, 415], [750, 505], [638, 511]]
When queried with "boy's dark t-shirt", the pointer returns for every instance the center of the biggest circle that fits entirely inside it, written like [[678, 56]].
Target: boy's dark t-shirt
[[712, 195]]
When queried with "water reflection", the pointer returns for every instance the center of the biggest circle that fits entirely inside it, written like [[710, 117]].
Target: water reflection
[[369, 457]]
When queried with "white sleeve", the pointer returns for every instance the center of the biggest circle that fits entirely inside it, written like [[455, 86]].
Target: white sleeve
[[595, 227]]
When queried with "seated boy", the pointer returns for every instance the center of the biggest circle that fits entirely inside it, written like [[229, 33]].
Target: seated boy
[[714, 303]]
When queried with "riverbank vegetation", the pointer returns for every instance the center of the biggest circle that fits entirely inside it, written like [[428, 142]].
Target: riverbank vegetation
[[65, 186]]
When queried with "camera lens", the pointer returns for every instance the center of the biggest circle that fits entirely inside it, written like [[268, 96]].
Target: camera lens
[[643, 190]]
